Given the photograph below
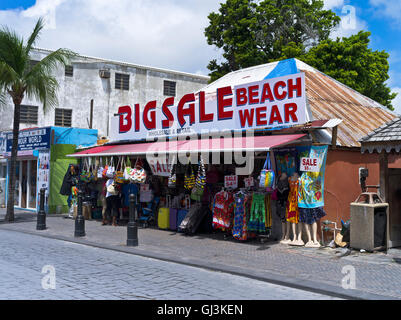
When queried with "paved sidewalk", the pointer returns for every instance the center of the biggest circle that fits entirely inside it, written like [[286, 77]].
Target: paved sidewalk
[[378, 275]]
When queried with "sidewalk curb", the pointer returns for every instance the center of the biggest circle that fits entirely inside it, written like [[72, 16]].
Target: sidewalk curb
[[301, 284]]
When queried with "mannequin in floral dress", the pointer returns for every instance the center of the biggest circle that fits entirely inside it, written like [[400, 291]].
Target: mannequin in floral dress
[[293, 212]]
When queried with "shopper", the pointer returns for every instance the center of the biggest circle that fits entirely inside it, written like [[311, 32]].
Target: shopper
[[112, 200]]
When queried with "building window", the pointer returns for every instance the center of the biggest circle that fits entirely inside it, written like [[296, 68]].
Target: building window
[[69, 71], [169, 88], [63, 117], [28, 114], [122, 81]]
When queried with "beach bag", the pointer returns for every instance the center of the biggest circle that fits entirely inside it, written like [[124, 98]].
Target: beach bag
[[189, 178], [119, 177], [201, 177], [172, 179], [110, 170], [86, 174], [138, 175], [127, 169], [267, 175]]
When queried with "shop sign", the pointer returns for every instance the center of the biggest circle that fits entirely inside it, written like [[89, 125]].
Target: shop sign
[[29, 140], [249, 182], [231, 182], [310, 164], [269, 103], [160, 165]]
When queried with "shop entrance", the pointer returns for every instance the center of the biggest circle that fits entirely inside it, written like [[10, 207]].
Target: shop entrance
[[25, 184]]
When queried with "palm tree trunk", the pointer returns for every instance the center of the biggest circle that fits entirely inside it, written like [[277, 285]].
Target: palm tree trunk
[[13, 162]]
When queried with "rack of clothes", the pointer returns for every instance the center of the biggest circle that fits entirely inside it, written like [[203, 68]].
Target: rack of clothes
[[243, 214]]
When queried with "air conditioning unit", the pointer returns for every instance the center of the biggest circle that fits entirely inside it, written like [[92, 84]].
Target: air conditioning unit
[[105, 74]]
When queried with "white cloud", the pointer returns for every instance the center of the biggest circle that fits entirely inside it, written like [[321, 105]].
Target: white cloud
[[388, 8], [331, 4], [160, 33], [397, 101]]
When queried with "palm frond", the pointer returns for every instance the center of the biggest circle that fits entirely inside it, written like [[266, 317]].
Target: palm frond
[[12, 50], [35, 35]]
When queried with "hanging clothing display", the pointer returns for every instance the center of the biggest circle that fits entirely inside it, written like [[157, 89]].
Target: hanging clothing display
[[223, 210], [240, 216], [257, 217], [311, 215], [292, 211]]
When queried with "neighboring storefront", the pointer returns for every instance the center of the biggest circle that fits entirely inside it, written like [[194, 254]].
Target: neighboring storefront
[[37, 161]]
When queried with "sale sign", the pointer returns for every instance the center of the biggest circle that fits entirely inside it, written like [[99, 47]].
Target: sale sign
[[231, 182], [249, 182], [310, 164], [160, 166], [268, 103]]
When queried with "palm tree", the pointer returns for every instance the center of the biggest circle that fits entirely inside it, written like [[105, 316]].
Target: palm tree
[[18, 78]]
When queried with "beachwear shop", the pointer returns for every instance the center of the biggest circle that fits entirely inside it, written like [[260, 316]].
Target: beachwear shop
[[196, 176]]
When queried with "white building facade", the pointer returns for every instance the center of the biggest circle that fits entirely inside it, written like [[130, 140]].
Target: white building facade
[[109, 84]]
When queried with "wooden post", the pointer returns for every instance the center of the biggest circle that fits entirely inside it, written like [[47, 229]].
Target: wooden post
[[384, 176]]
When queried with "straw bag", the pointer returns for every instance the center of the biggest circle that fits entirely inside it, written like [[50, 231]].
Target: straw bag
[[189, 178]]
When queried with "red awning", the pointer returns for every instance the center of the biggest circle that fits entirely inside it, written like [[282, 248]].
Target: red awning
[[236, 144]]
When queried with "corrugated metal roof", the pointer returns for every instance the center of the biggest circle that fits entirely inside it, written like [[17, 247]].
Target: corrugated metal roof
[[387, 137], [327, 99]]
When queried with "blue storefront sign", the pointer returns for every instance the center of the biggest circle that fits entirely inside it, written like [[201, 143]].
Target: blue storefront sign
[[32, 139]]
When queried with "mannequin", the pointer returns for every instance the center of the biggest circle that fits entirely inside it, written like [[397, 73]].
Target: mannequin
[[282, 196], [292, 211], [312, 239]]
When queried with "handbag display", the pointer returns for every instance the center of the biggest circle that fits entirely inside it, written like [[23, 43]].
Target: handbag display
[[138, 175], [119, 177], [189, 178], [172, 179], [267, 175], [110, 170]]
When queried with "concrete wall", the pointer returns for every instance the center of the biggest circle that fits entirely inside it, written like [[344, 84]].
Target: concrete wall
[[76, 92]]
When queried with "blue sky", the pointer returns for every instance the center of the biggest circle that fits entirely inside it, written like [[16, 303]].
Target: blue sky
[[169, 33]]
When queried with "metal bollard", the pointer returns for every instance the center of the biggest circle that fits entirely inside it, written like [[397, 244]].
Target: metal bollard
[[79, 220], [132, 227], [41, 219]]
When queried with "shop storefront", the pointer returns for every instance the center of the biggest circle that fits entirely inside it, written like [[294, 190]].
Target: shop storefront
[[37, 150], [247, 181]]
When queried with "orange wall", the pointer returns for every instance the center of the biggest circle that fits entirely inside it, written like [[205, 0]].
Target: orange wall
[[342, 180]]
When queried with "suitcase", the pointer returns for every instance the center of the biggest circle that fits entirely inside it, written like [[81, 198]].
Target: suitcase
[[173, 218], [183, 212], [163, 218], [193, 219]]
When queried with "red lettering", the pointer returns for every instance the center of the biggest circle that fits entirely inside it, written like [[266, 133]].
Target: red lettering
[[125, 113], [223, 103], [297, 87], [290, 110], [190, 111], [266, 93], [137, 117], [246, 116], [275, 116], [203, 116], [276, 93], [168, 122], [242, 99], [253, 94], [315, 162], [261, 116], [150, 124]]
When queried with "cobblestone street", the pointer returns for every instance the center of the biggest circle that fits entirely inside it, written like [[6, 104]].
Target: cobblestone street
[[84, 272]]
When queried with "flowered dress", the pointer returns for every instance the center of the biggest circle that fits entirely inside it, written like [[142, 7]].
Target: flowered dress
[[240, 221], [223, 210], [292, 211]]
